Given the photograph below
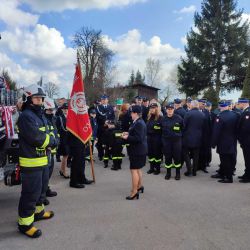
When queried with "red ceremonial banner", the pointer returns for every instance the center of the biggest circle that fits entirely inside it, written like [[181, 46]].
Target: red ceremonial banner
[[78, 122]]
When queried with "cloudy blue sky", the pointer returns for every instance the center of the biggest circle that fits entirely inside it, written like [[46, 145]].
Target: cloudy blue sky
[[36, 35]]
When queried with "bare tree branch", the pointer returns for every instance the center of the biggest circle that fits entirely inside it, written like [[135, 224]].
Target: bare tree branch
[[51, 89]]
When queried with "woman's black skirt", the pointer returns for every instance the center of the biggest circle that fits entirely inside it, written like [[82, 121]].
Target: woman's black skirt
[[137, 162]]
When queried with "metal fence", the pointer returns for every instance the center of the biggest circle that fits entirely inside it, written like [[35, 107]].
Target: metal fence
[[8, 97]]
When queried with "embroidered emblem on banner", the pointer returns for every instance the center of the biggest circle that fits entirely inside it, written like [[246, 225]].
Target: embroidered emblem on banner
[[78, 103]]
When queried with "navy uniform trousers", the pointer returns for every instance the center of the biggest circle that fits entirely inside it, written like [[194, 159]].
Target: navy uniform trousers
[[34, 187]]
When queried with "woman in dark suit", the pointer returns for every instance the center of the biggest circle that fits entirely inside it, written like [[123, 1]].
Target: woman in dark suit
[[63, 148], [136, 137]]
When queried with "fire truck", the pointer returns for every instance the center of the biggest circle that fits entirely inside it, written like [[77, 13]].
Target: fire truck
[[9, 169]]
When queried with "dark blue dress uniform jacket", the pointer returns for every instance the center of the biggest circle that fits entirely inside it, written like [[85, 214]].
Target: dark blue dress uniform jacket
[[137, 138], [181, 112], [194, 126], [244, 128], [225, 132]]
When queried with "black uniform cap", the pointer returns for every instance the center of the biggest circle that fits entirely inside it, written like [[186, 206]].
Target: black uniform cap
[[170, 105], [136, 109], [153, 105]]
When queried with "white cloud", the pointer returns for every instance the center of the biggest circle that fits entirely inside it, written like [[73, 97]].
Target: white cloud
[[17, 72], [246, 17], [12, 16], [186, 10], [60, 5], [42, 47], [184, 40], [132, 53]]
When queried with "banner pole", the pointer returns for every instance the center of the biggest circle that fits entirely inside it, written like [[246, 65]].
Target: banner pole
[[91, 160]]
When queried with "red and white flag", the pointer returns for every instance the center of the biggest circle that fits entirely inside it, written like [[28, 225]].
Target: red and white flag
[[7, 118], [78, 122]]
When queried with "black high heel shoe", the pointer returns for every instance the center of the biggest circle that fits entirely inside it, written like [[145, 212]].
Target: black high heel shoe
[[63, 175], [133, 197], [141, 189]]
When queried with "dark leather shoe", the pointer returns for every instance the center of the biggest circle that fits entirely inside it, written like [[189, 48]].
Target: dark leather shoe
[[244, 181], [46, 202], [187, 173], [226, 180], [167, 176], [150, 171], [77, 185], [217, 176], [87, 182], [157, 172], [51, 193]]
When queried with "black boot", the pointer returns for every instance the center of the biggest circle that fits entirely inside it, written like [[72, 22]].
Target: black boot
[[119, 164], [115, 166], [157, 170], [178, 174], [188, 172], [106, 164], [168, 175], [151, 170]]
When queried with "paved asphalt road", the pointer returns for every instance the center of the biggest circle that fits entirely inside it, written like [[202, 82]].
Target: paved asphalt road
[[193, 213]]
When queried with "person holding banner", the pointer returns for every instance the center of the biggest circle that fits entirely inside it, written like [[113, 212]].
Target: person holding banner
[[80, 132]]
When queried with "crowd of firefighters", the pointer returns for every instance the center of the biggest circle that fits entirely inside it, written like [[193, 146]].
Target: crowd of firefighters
[[177, 133]]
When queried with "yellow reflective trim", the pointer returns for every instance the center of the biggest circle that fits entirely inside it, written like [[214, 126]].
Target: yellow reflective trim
[[46, 142], [168, 166], [176, 128], [26, 221], [177, 165], [157, 127], [33, 162], [52, 134], [42, 129], [53, 151], [39, 209], [117, 158], [151, 159], [105, 158], [118, 134], [157, 160]]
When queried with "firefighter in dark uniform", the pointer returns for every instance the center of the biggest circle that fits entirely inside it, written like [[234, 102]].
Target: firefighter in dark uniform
[[179, 110], [212, 117], [49, 107], [154, 139], [244, 137], [206, 140], [116, 145], [107, 141], [194, 122], [34, 141], [104, 112], [77, 153], [172, 125], [225, 139], [145, 109]]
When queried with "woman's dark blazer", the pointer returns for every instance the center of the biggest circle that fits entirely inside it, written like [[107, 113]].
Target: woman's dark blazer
[[137, 138]]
